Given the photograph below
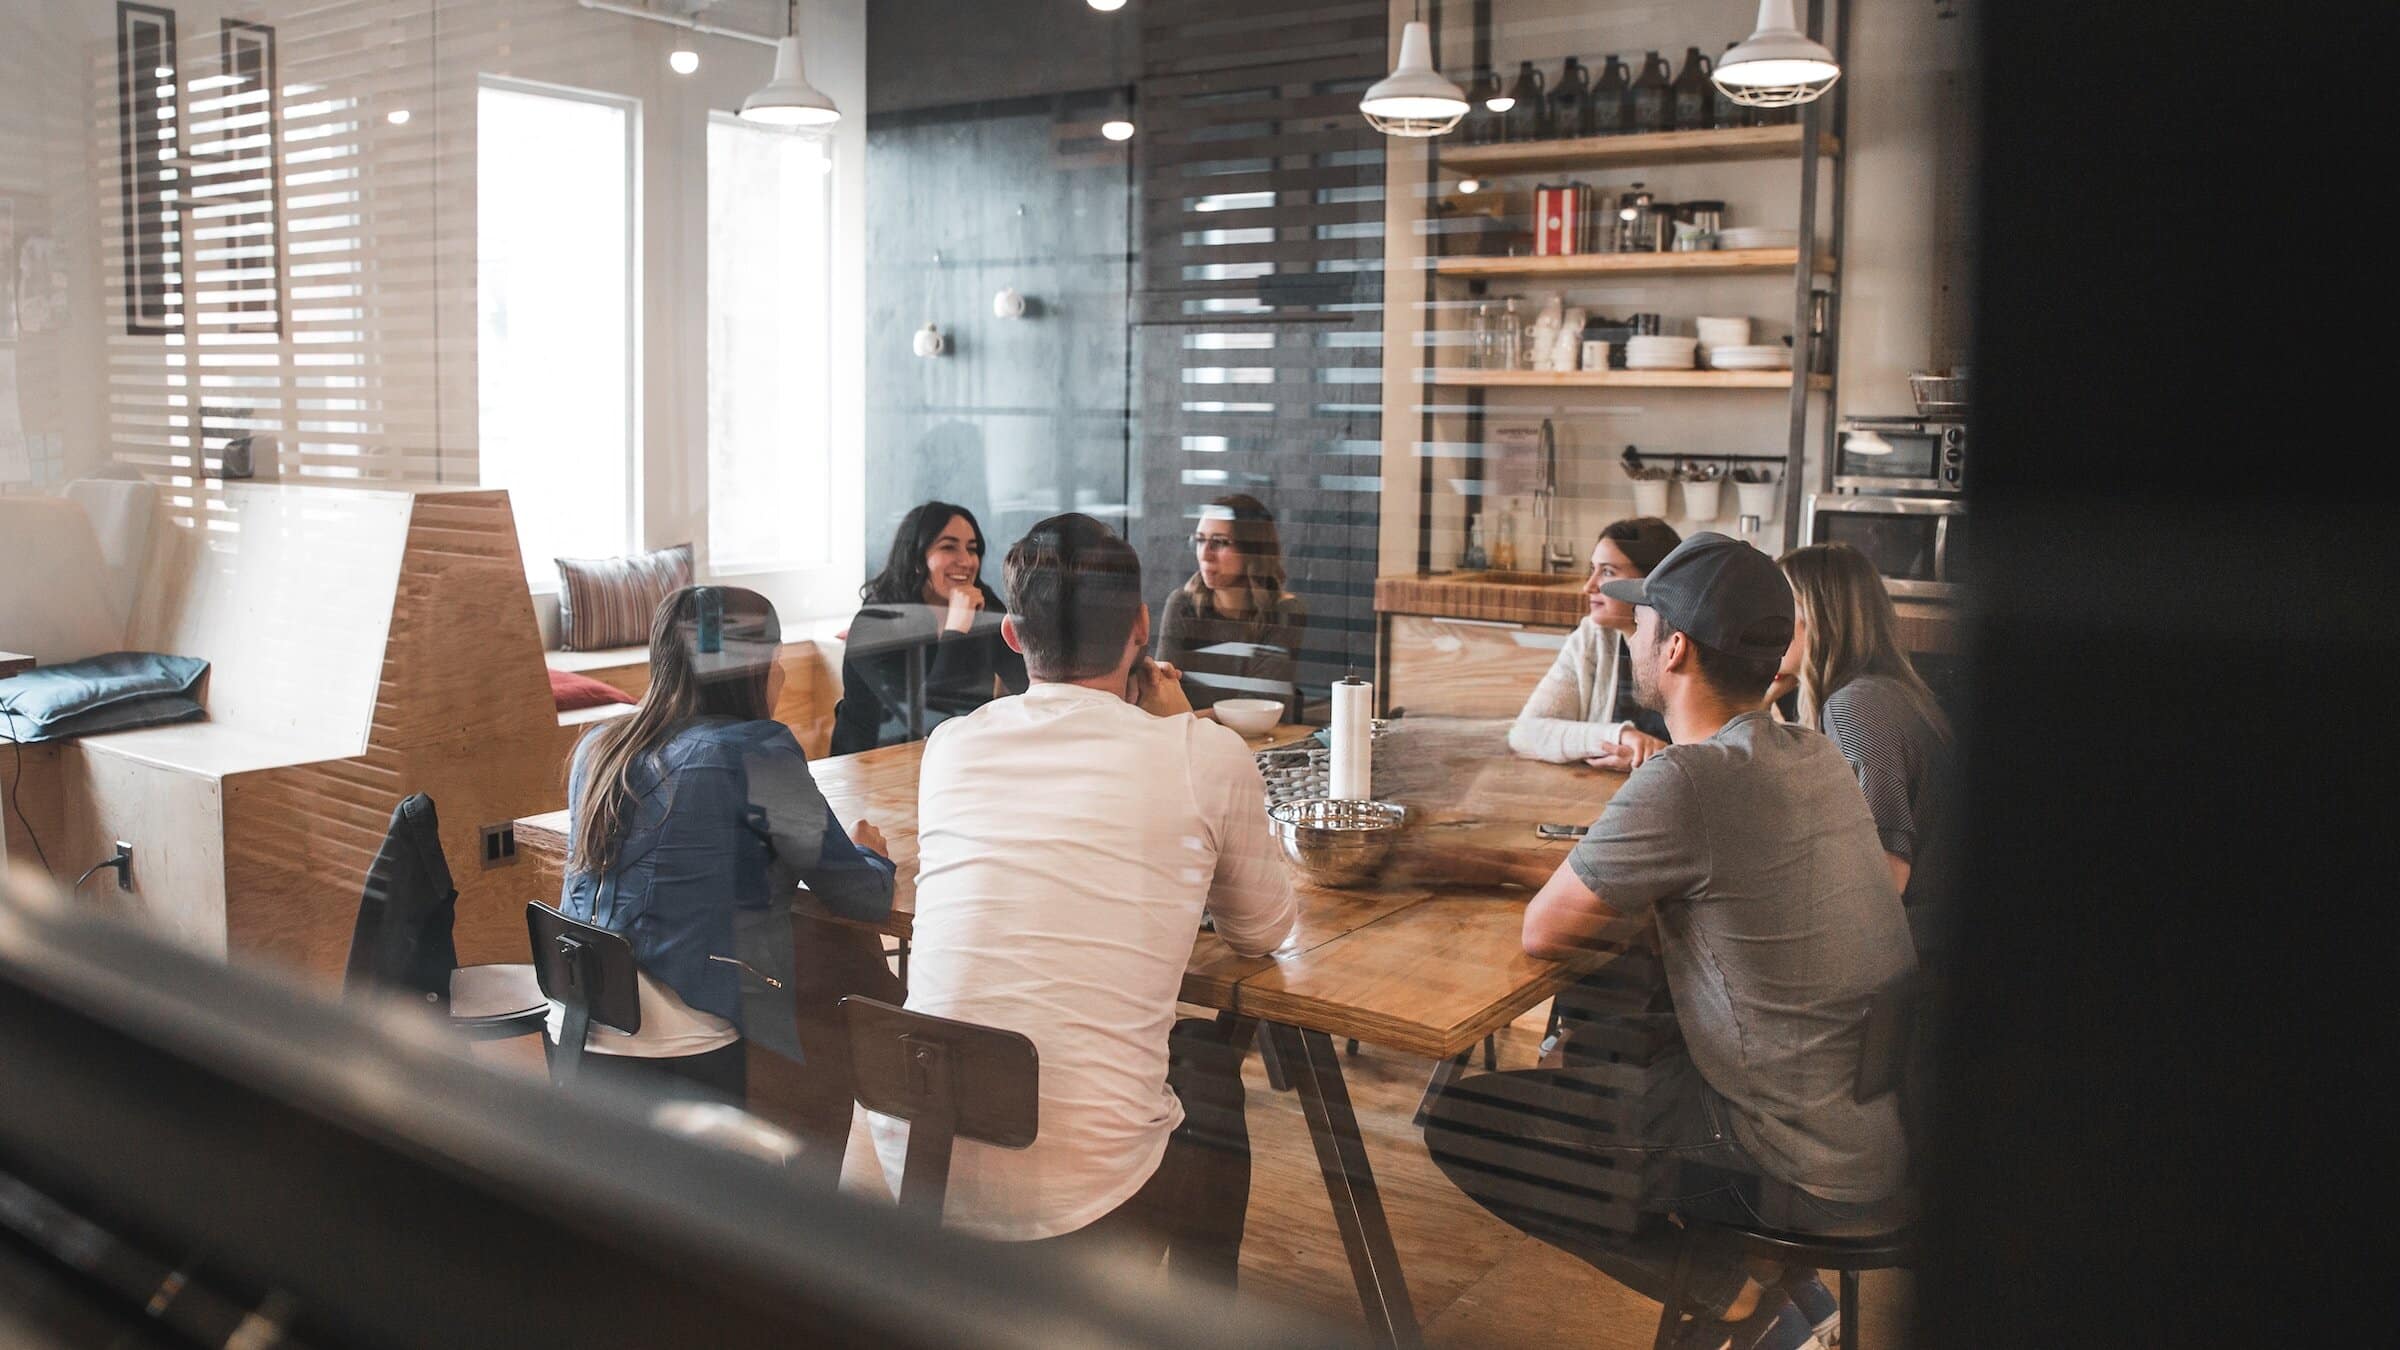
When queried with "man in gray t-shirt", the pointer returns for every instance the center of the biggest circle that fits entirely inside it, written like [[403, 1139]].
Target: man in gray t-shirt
[[1747, 848], [1777, 924]]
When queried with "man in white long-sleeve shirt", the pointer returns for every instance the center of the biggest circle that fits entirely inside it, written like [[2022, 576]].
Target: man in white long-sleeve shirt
[[1068, 839]]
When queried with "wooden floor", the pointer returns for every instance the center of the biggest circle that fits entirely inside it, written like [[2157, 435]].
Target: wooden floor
[[1476, 1281]]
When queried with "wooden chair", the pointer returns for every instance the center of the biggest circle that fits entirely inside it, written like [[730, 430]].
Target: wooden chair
[[1888, 1062], [590, 972], [402, 939], [949, 1080]]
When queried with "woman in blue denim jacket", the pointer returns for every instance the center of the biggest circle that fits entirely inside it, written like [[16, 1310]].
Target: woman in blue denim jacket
[[694, 819]]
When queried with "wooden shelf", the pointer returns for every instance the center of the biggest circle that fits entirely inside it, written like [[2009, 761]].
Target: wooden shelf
[[1630, 264], [1651, 147], [1620, 379]]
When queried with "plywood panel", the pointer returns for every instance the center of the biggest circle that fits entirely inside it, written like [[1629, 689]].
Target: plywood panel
[[463, 714], [1460, 668], [174, 821], [287, 591]]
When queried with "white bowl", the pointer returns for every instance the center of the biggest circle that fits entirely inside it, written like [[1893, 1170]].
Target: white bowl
[[1250, 716]]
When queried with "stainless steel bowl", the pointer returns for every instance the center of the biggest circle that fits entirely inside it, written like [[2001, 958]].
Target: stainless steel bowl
[[1334, 842]]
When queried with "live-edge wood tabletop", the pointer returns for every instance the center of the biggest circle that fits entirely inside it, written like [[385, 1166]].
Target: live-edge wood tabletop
[[1411, 967]]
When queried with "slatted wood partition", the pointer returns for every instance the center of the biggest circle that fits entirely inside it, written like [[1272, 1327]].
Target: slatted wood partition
[[462, 713], [1260, 293], [252, 837]]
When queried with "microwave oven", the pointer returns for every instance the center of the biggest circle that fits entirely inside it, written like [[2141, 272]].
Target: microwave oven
[[1920, 545], [1901, 454]]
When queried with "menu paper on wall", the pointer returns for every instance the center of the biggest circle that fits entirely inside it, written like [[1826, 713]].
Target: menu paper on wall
[[1353, 758]]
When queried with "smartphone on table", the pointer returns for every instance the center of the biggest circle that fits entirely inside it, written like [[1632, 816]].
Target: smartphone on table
[[1554, 830]]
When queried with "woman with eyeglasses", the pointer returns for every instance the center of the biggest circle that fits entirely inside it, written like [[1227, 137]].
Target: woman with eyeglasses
[[1233, 630], [1584, 708]]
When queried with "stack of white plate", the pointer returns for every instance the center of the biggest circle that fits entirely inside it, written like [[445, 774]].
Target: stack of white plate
[[1766, 356], [1661, 353], [1758, 236]]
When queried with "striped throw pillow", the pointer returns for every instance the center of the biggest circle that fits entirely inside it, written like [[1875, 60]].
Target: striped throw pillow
[[609, 602]]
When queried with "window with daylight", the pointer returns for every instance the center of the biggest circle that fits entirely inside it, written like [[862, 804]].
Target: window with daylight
[[769, 371], [556, 283]]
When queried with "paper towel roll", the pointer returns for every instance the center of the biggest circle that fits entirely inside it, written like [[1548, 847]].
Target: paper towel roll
[[1353, 757]]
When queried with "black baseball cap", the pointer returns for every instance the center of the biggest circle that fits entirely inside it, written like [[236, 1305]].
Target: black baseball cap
[[1726, 595]]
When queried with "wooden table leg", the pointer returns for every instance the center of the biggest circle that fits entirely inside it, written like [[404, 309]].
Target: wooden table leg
[[1316, 1070]]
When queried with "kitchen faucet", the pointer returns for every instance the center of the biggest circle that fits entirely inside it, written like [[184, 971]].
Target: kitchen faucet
[[1556, 555]]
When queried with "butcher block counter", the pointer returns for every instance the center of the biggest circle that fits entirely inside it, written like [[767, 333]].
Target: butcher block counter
[[1473, 644]]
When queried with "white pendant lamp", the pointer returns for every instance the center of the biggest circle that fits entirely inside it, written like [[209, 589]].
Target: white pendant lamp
[[1778, 65], [1414, 100], [789, 100]]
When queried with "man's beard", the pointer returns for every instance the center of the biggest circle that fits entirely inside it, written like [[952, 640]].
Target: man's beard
[[1645, 681]]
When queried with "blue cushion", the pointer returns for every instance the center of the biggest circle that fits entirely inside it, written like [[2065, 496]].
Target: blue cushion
[[114, 692]]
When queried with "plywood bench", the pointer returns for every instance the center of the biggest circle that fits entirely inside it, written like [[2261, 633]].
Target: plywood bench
[[364, 644]]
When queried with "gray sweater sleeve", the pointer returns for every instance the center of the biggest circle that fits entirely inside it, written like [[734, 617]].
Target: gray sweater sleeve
[[1555, 724]]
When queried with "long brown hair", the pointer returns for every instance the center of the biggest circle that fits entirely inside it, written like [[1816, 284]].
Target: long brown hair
[[1255, 538], [1852, 631], [694, 673]]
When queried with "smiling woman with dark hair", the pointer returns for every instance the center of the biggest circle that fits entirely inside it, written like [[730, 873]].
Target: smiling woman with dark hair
[[928, 605]]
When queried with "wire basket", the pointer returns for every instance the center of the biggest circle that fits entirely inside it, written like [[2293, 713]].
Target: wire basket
[[1294, 772], [1939, 395]]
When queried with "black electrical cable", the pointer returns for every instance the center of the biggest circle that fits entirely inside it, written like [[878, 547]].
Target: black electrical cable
[[109, 861], [17, 780]]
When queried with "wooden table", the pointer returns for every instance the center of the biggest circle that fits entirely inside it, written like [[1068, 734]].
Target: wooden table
[[1404, 966]]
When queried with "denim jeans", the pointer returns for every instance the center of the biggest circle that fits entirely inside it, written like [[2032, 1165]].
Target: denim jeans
[[1592, 1159]]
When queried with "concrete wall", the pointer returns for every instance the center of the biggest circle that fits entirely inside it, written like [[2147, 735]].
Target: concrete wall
[[942, 53], [1025, 417]]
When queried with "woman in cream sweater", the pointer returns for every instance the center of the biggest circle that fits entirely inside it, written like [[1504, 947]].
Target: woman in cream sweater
[[1584, 709]]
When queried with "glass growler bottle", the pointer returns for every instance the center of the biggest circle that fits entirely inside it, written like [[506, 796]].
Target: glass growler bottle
[[1611, 99], [1528, 119], [1571, 101], [1724, 112], [1654, 95], [1695, 96]]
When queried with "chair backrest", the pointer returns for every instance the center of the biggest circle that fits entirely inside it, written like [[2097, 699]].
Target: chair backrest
[[1888, 1049], [586, 968], [1895, 1056], [948, 1080], [406, 910]]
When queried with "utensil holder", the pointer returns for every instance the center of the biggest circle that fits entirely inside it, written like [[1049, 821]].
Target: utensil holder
[[1650, 497], [1756, 499], [1701, 500]]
